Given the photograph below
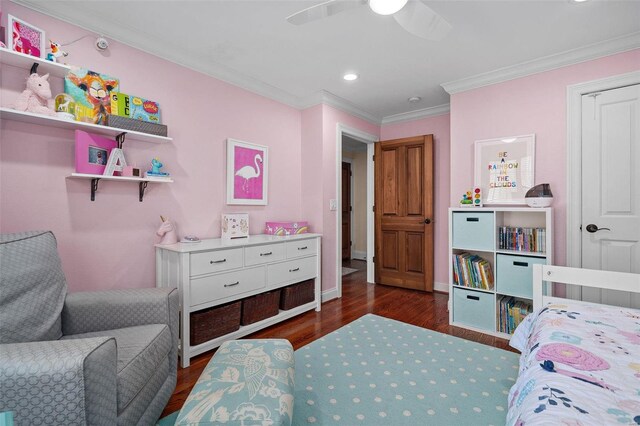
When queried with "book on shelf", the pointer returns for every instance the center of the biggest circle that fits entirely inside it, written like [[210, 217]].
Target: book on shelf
[[470, 270], [531, 240], [511, 312]]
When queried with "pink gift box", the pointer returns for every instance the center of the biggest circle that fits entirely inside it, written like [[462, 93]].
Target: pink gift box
[[286, 228]]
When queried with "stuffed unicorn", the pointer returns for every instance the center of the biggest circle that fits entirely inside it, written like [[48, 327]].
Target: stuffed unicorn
[[167, 232], [37, 96]]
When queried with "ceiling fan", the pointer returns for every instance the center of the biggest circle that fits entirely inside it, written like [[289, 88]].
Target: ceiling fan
[[413, 15]]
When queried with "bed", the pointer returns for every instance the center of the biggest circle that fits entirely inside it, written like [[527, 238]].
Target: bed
[[580, 362]]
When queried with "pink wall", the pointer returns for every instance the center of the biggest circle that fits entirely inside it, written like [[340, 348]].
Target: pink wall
[[109, 243], [439, 127], [532, 104]]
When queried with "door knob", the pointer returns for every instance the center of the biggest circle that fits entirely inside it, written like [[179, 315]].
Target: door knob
[[594, 228], [427, 221]]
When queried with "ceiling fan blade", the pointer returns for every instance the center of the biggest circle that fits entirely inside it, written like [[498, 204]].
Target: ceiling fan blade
[[321, 10], [420, 20]]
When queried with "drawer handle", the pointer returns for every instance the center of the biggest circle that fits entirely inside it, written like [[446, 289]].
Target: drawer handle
[[294, 270], [232, 284], [473, 297], [217, 261], [525, 264], [269, 253], [473, 219], [303, 248]]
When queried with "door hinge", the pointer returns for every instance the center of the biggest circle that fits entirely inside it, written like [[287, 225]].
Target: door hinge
[[374, 157], [373, 259], [373, 208], [350, 208]]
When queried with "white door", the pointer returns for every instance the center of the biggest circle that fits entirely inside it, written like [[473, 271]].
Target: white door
[[611, 188]]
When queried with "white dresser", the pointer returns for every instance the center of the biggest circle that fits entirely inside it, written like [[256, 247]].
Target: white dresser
[[215, 271]]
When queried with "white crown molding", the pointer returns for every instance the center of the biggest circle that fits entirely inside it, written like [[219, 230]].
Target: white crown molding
[[416, 115], [546, 63], [328, 98]]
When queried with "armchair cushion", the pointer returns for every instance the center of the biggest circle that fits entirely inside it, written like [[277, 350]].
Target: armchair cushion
[[33, 287], [141, 351]]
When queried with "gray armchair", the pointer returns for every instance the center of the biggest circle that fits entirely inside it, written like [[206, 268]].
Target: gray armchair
[[95, 358]]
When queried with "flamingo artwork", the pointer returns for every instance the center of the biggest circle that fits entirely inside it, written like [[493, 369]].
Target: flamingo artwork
[[249, 172]]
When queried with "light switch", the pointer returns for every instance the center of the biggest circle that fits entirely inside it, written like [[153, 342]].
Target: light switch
[[333, 204]]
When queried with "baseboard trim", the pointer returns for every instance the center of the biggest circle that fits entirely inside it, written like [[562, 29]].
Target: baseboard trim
[[359, 255], [442, 287], [330, 294]]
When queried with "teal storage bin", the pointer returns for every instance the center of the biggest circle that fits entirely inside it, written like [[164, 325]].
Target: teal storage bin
[[514, 274], [474, 308], [473, 230]]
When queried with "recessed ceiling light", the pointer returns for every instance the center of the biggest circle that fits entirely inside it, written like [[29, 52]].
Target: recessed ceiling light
[[386, 7], [350, 76], [579, 1], [414, 99]]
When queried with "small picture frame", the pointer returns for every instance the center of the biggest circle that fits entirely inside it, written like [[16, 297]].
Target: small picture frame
[[504, 169], [92, 152], [247, 173], [235, 225], [25, 38]]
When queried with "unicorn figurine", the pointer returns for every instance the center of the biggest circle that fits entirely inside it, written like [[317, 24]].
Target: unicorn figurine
[[37, 96], [167, 232]]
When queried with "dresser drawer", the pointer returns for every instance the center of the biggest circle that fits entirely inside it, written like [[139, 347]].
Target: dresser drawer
[[301, 248], [216, 287], [473, 230], [215, 261], [474, 308], [257, 255], [291, 271], [514, 276]]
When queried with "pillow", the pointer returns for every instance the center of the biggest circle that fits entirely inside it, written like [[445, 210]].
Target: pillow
[[32, 287]]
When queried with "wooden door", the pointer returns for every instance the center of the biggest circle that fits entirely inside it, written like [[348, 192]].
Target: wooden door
[[611, 188], [346, 211], [404, 212]]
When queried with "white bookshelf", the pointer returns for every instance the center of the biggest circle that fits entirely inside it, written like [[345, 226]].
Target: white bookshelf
[[142, 182], [477, 308], [22, 60]]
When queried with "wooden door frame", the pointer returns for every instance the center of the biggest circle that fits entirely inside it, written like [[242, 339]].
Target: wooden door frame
[[574, 162], [351, 200], [369, 139]]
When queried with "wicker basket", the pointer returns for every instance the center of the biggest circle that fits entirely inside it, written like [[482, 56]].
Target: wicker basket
[[259, 307], [214, 322], [297, 294]]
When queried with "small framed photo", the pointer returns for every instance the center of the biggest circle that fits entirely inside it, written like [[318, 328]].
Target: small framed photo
[[247, 173], [235, 225], [92, 152], [504, 169], [25, 38]]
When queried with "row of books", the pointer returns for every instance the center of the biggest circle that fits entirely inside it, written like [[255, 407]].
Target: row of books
[[510, 313], [522, 239], [472, 271]]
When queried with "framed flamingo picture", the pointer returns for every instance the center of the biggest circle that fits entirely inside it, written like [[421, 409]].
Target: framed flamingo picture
[[247, 173]]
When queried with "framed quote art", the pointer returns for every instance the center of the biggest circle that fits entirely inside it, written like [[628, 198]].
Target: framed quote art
[[247, 173], [504, 168]]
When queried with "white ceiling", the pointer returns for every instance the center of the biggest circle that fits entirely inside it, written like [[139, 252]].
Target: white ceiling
[[250, 44]]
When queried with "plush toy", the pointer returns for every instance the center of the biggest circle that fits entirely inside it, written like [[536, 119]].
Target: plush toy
[[56, 52], [37, 96]]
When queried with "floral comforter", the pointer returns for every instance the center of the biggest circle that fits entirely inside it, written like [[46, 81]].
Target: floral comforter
[[580, 365]]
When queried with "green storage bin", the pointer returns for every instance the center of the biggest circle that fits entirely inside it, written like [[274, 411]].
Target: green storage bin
[[474, 308], [514, 276], [473, 230]]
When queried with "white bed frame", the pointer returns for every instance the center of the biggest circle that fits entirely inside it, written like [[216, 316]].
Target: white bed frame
[[544, 274]]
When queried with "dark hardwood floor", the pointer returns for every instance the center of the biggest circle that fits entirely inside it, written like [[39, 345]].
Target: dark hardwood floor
[[427, 310]]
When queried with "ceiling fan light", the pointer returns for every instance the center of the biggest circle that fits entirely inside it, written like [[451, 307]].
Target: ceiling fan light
[[386, 7]]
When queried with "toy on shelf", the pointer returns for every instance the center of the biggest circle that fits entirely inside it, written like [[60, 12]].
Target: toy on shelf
[[472, 198], [167, 232], [56, 52], [155, 172], [65, 107], [37, 96]]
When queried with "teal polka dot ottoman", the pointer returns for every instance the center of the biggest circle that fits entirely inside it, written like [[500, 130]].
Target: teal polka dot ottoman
[[246, 382]]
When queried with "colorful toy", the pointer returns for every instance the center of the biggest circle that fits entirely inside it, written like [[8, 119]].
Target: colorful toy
[[37, 96], [134, 107], [156, 165], [167, 232], [477, 197], [472, 198], [466, 199], [65, 107], [56, 52], [92, 90]]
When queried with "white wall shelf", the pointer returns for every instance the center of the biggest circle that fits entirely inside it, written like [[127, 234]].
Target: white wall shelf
[[142, 182], [21, 60], [44, 120]]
